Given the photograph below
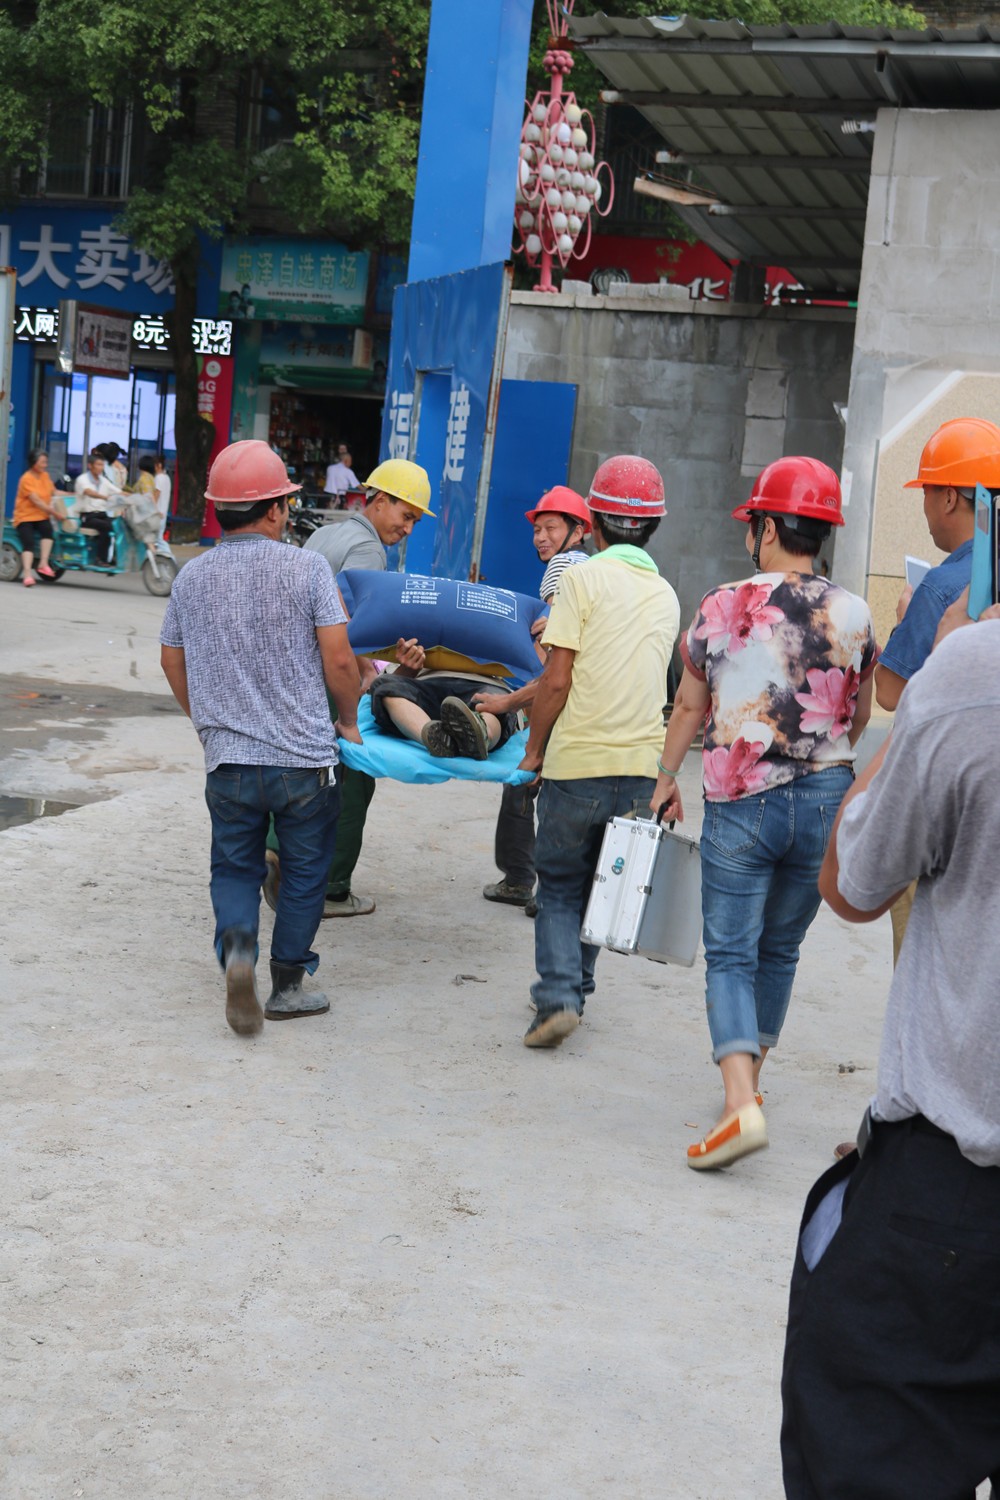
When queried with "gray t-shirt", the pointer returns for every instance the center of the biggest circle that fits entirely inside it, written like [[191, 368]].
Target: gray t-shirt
[[245, 615], [349, 544], [933, 812]]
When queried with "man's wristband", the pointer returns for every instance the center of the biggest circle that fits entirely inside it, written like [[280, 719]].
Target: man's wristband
[[663, 770]]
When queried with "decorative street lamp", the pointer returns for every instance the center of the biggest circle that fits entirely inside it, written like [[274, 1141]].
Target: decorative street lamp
[[559, 186]]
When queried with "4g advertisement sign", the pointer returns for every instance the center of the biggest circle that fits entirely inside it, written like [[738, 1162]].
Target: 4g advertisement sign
[[215, 400]]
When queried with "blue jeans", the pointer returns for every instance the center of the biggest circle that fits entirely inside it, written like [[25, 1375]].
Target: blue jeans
[[305, 804], [572, 816], [760, 861]]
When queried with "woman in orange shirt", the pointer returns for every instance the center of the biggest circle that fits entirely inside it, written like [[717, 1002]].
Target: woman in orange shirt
[[35, 508]]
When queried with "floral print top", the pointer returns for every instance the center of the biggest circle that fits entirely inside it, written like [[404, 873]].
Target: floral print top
[[783, 655]]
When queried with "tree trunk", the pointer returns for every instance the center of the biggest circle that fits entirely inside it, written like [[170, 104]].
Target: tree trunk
[[194, 435]]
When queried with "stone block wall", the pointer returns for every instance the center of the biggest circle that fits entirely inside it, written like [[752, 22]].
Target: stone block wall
[[709, 393]]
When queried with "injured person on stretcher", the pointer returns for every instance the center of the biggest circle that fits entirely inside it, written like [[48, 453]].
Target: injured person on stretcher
[[436, 709]]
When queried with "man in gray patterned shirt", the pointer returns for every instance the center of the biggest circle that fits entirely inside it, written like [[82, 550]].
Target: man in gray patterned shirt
[[252, 632]]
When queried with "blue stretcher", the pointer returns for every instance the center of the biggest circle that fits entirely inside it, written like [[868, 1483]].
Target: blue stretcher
[[406, 760]]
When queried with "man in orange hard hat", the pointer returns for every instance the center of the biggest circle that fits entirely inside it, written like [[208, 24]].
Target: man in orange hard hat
[[961, 454], [254, 634]]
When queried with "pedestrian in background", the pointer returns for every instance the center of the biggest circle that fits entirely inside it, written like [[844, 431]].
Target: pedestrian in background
[[253, 635]]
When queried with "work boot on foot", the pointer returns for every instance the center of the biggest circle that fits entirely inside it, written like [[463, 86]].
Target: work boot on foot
[[243, 1012], [551, 1029], [272, 880], [435, 738], [508, 893], [348, 906], [288, 999], [466, 728]]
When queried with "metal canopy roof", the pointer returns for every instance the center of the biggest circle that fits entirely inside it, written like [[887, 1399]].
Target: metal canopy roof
[[757, 112]]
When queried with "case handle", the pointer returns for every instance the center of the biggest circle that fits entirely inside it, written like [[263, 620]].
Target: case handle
[[659, 818]]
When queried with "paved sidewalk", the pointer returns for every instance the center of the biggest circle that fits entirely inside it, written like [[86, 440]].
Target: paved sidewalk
[[389, 1252]]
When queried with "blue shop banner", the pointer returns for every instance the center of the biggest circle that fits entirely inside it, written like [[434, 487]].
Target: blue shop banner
[[80, 254], [445, 356]]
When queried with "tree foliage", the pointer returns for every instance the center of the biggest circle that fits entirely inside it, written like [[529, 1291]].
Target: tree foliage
[[339, 85]]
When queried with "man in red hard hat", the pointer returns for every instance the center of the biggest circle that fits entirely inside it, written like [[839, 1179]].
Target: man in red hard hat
[[253, 635], [559, 523], [596, 724]]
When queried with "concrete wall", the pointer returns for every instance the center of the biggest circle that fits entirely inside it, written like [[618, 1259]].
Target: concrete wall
[[709, 393], [926, 346]]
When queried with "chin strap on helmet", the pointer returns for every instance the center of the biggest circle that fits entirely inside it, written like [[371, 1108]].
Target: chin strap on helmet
[[758, 537]]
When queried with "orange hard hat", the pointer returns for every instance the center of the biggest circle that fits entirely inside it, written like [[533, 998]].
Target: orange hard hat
[[962, 453], [564, 502], [246, 472], [628, 486], [795, 486]]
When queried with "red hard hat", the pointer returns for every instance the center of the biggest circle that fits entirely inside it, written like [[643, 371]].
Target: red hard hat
[[795, 487], [246, 472], [565, 502], [627, 485]]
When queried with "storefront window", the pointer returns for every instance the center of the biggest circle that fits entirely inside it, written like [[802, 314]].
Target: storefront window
[[80, 411]]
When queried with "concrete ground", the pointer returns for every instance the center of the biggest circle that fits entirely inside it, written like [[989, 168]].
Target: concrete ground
[[389, 1251]]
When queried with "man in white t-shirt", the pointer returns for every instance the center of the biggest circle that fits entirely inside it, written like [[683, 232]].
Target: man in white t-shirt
[[340, 477], [97, 499]]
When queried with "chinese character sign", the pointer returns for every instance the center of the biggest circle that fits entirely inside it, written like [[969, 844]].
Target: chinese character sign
[[443, 358], [316, 281], [63, 253]]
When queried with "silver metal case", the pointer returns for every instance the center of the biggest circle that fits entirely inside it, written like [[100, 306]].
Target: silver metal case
[[646, 897]]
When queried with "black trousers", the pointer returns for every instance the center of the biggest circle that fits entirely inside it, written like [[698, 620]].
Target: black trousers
[[891, 1382], [104, 545], [514, 845]]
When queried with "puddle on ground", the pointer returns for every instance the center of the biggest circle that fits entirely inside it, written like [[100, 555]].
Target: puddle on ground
[[16, 810]]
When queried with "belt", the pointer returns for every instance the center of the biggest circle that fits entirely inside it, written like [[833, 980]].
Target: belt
[[919, 1124]]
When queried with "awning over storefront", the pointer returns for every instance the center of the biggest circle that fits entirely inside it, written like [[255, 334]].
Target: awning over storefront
[[771, 127]]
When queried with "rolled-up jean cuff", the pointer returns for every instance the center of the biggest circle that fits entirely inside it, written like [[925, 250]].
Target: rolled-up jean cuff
[[741, 1044], [767, 1041]]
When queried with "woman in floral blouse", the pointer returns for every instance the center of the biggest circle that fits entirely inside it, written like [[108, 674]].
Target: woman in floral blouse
[[779, 671]]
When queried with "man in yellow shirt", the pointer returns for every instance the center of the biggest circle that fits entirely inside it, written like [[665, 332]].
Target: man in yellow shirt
[[596, 724]]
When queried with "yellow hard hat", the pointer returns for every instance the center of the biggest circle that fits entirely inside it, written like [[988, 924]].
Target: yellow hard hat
[[402, 480]]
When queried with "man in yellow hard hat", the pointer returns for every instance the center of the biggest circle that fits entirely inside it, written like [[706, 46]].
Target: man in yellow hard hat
[[399, 494]]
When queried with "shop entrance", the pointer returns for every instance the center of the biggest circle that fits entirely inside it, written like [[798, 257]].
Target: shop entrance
[[306, 427], [77, 412]]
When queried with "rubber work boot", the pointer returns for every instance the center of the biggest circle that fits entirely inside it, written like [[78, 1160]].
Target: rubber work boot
[[288, 999], [272, 880], [243, 1010]]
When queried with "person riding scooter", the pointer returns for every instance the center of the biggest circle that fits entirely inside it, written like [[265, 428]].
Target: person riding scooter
[[96, 500]]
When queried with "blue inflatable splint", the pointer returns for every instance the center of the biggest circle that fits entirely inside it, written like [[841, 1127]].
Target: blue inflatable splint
[[463, 627], [406, 760]]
